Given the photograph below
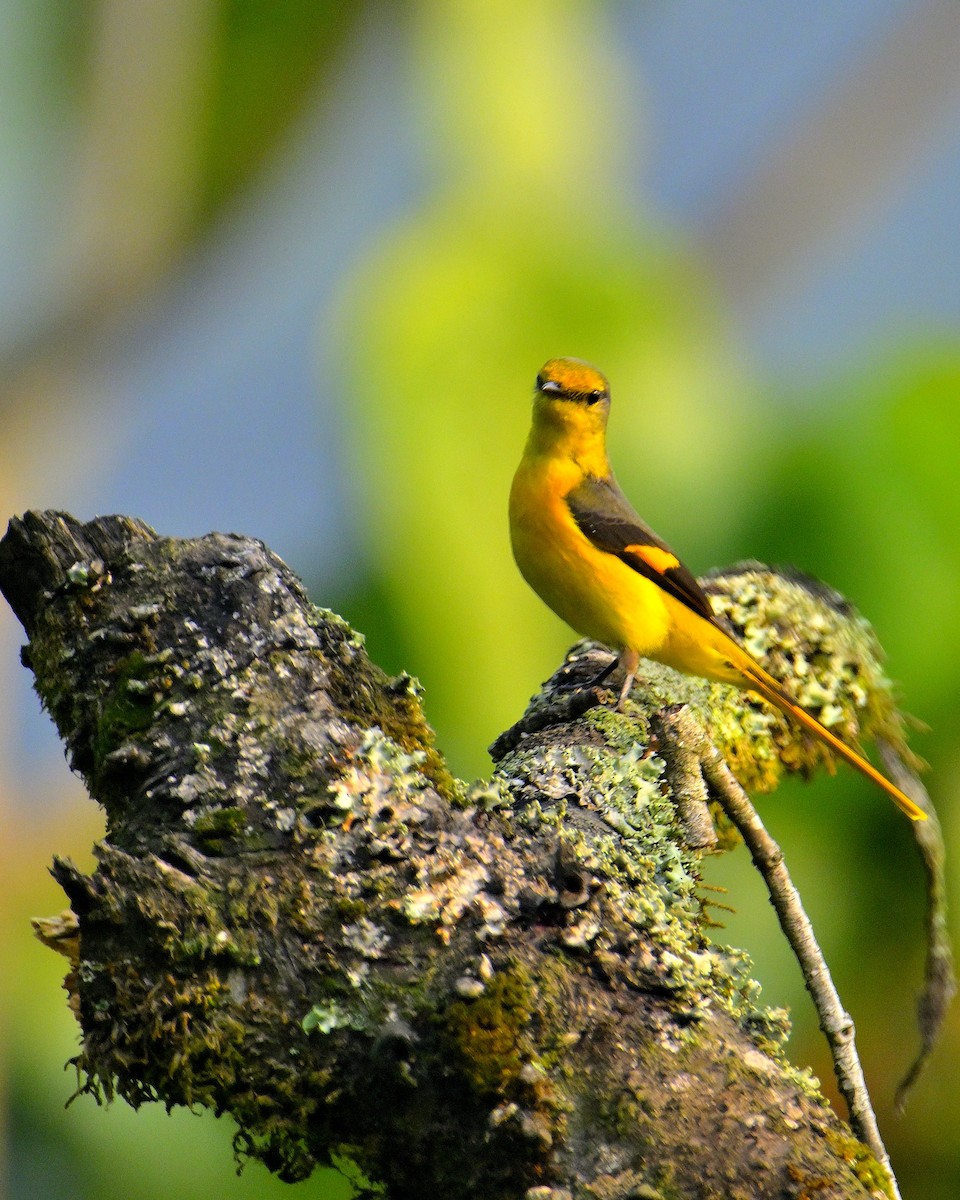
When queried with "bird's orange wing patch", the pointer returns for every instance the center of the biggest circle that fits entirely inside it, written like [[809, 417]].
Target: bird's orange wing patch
[[660, 560]]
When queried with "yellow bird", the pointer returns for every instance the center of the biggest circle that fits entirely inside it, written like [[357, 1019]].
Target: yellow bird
[[587, 554]]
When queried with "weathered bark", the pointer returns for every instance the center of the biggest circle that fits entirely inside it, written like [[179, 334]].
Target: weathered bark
[[298, 916]]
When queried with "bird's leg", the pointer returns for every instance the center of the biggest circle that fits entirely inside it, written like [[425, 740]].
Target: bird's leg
[[629, 660]]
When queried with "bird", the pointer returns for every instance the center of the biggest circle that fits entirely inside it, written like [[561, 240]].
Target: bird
[[588, 555]]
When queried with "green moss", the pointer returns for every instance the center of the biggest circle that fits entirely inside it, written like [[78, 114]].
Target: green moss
[[861, 1160], [350, 909], [491, 1032], [827, 656], [130, 705], [207, 928], [364, 693], [190, 1016], [217, 829]]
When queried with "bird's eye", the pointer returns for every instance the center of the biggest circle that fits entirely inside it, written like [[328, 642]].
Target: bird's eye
[[595, 396], [550, 387]]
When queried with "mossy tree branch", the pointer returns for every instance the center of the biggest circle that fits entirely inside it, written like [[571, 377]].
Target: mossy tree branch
[[299, 918]]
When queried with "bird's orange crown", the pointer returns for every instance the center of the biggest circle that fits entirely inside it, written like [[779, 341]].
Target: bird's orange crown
[[572, 378]]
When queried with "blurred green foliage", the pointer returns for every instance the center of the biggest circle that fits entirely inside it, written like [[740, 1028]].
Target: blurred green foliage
[[870, 480], [268, 58]]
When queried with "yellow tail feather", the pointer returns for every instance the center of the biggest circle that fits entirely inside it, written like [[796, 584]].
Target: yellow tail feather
[[771, 690]]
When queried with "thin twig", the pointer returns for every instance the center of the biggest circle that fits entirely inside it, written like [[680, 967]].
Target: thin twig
[[768, 858], [939, 985]]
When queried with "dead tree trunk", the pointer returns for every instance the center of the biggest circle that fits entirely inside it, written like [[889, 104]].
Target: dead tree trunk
[[300, 918]]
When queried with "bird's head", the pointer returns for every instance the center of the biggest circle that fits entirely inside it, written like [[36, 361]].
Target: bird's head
[[572, 400]]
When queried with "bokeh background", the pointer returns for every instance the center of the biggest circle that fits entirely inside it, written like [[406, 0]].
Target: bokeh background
[[290, 269]]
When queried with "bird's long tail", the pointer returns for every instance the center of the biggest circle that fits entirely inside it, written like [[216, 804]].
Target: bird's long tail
[[758, 679]]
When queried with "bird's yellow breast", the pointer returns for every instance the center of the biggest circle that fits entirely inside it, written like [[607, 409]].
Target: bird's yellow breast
[[593, 591]]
